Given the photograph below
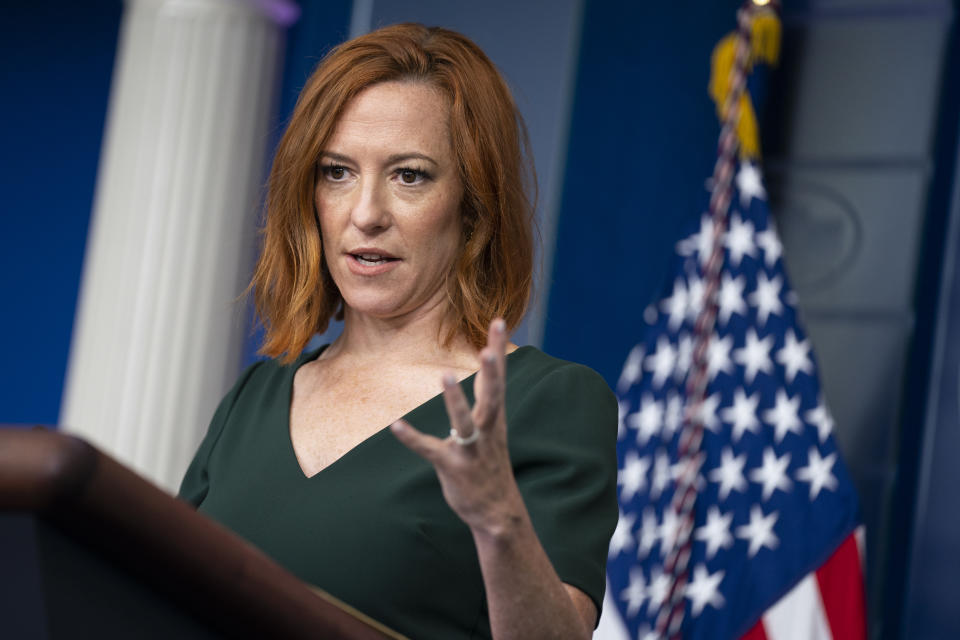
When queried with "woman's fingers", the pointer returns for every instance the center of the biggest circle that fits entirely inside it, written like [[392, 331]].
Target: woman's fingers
[[488, 393], [497, 341], [490, 379], [426, 446], [458, 408]]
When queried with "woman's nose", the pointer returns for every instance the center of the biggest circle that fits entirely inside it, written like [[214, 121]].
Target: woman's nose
[[370, 211]]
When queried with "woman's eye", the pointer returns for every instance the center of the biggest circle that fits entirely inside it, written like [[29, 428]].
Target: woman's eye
[[334, 172], [410, 176]]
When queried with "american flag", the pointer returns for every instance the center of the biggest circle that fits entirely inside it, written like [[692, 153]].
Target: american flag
[[776, 547]]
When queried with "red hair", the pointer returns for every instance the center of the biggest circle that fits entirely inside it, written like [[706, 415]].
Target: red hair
[[294, 293]]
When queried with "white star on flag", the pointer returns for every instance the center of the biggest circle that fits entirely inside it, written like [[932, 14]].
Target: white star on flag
[[659, 588], [632, 369], [661, 475], [673, 415], [708, 413], [694, 297], [784, 416], [676, 305], [772, 474], [730, 298], [636, 593], [704, 239], [794, 355], [718, 356], [759, 531], [818, 472], [766, 297], [633, 476], [750, 183], [622, 538], [661, 362], [754, 356], [742, 416], [729, 474], [770, 243], [704, 589], [647, 420], [820, 418], [739, 240], [716, 532]]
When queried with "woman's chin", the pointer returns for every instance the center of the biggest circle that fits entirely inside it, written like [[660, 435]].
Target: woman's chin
[[377, 307], [387, 307]]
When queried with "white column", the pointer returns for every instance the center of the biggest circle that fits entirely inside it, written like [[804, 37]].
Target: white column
[[158, 333]]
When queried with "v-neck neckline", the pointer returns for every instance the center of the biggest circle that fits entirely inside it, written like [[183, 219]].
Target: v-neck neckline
[[292, 453]]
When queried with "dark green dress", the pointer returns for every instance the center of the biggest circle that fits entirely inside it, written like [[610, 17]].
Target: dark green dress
[[373, 530]]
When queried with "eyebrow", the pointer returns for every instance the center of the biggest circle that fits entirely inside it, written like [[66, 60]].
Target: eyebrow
[[393, 159]]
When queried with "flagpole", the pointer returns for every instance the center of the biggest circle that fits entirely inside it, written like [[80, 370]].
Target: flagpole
[[670, 616]]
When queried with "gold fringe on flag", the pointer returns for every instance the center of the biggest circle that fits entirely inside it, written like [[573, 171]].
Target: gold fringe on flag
[[764, 47]]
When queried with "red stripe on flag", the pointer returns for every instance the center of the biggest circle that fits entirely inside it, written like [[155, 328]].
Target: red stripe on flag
[[841, 588], [756, 632]]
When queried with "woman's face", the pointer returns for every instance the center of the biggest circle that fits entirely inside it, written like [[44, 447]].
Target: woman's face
[[388, 197]]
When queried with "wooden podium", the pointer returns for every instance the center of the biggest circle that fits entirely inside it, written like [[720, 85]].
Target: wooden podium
[[89, 549]]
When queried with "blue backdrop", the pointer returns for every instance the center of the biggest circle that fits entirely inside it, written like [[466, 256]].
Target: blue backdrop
[[57, 61], [642, 143]]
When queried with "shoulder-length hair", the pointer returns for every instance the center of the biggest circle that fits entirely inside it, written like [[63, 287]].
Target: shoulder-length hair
[[294, 293]]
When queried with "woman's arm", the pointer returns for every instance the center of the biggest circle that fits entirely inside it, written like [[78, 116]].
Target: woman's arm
[[525, 596]]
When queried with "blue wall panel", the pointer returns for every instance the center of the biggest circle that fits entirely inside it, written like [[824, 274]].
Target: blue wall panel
[[57, 61], [642, 143]]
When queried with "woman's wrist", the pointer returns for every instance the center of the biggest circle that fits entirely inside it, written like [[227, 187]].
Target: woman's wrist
[[508, 523]]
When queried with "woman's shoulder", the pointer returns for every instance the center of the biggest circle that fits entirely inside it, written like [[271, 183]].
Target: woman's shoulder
[[264, 380], [271, 370], [529, 364], [534, 377]]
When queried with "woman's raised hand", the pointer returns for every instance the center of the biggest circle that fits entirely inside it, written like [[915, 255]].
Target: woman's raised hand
[[526, 597], [473, 464]]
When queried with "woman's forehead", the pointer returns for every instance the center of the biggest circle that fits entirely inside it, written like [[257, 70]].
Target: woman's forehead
[[395, 113]]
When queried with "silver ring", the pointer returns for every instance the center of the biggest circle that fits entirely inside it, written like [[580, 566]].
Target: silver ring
[[460, 440]]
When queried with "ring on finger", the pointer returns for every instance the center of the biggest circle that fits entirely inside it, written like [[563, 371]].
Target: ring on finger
[[460, 440]]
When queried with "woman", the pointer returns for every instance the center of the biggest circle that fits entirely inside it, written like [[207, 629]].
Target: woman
[[396, 201]]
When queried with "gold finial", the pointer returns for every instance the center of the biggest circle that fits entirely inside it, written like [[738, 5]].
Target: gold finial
[[763, 46]]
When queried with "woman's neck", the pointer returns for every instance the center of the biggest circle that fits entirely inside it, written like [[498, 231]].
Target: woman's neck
[[416, 337]]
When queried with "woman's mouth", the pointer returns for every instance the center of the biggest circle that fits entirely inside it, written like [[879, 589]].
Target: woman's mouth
[[371, 259], [371, 262]]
